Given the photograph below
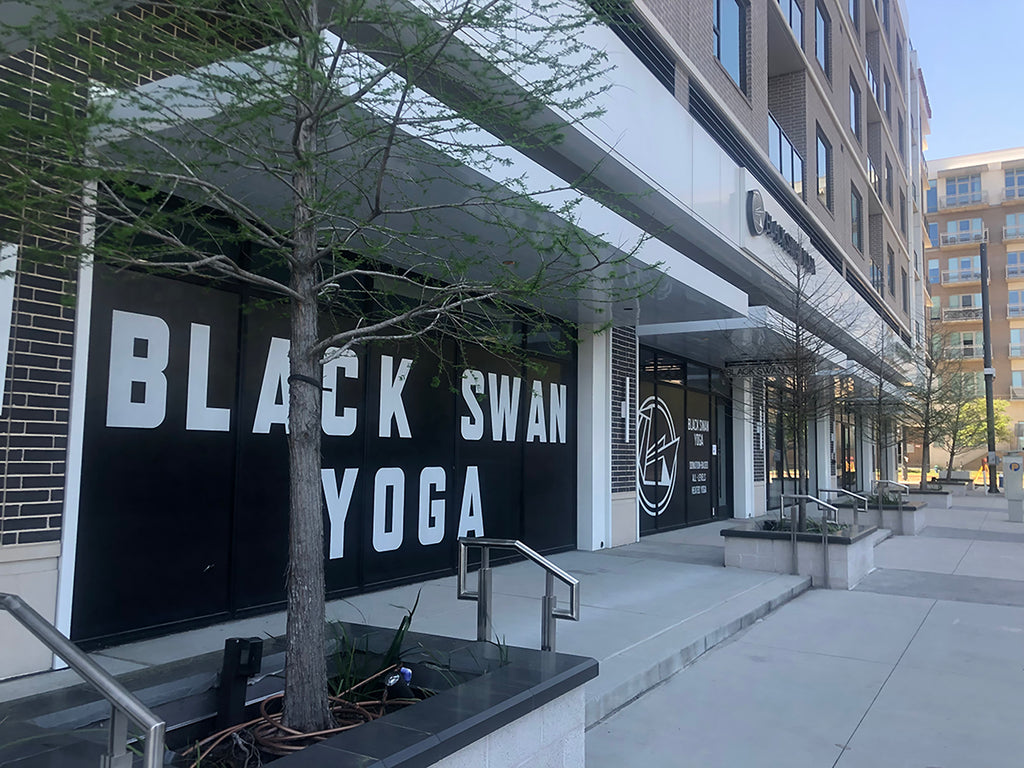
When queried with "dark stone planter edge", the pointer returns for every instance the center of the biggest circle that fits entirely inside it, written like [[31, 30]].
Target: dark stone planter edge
[[429, 731]]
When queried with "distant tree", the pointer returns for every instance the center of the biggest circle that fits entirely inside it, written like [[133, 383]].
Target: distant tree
[[938, 391], [969, 425]]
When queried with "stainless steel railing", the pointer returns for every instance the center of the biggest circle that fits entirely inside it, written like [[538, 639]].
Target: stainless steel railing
[[825, 507], [549, 607], [904, 490], [856, 496], [123, 705]]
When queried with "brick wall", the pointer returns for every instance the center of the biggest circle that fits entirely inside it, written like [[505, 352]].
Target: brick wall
[[787, 101], [624, 366], [34, 422]]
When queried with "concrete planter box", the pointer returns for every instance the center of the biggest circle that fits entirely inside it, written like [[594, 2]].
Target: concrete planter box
[[909, 522], [933, 498], [851, 556], [509, 707]]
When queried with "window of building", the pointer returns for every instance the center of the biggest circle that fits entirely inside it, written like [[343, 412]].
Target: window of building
[[1016, 342], [887, 96], [905, 289], [932, 204], [899, 60], [936, 308], [885, 15], [854, 107], [877, 278], [784, 156], [1015, 264], [966, 343], [1016, 380], [1014, 225], [857, 219], [730, 38], [964, 231], [934, 273], [890, 272], [903, 213], [795, 16], [854, 10], [824, 157], [888, 182], [968, 300], [1014, 304], [901, 141], [1015, 184], [933, 234], [962, 190], [963, 269], [823, 38]]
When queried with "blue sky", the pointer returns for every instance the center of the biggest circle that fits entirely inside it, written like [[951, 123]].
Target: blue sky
[[970, 53]]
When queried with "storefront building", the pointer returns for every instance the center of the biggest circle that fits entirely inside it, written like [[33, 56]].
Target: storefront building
[[160, 404]]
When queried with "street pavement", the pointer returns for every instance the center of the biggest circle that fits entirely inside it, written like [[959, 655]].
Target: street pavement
[[921, 665]]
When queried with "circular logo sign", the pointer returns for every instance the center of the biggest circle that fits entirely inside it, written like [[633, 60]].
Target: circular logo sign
[[657, 453], [755, 212]]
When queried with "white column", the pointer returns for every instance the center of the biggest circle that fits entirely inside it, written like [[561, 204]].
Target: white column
[[821, 463], [594, 441], [743, 422], [865, 446]]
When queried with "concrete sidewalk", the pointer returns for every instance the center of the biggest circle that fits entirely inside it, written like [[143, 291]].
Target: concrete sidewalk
[[921, 665], [648, 610]]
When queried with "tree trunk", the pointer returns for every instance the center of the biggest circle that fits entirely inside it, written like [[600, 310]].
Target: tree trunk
[[926, 450], [305, 691]]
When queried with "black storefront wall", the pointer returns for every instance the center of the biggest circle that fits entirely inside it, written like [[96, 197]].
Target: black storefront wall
[[183, 504], [683, 448]]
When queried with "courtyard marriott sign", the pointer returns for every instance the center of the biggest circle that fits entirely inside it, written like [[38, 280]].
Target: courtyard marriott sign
[[760, 222]]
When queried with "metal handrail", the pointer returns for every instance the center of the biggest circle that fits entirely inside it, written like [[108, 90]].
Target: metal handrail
[[549, 608], [824, 527], [852, 495], [904, 491], [123, 705]]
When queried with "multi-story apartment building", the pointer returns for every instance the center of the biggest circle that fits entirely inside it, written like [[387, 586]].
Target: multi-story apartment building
[[971, 200], [742, 142]]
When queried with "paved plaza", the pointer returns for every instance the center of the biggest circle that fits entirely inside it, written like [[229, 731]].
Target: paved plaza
[[921, 665]]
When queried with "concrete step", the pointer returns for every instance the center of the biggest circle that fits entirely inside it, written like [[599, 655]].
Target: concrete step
[[635, 670]]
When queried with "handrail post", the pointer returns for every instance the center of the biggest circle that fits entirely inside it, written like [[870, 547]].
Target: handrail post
[[123, 704], [117, 737], [824, 543], [483, 601], [547, 615], [792, 530]]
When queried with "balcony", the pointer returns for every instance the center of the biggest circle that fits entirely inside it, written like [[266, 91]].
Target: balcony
[[794, 17], [1013, 233], [1014, 311], [873, 84], [962, 314], [1015, 271], [1017, 393], [784, 156], [874, 179], [951, 276], [966, 353], [965, 200], [1017, 350], [948, 239], [1012, 195]]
